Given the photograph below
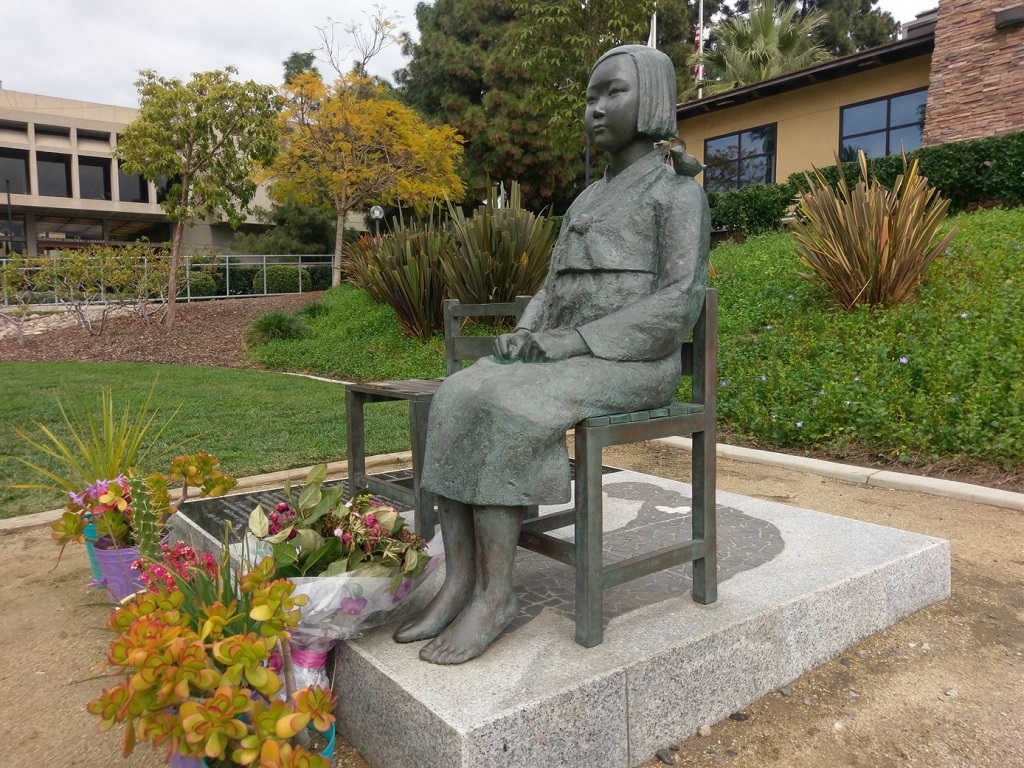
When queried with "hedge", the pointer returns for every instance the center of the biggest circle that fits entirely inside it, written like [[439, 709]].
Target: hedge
[[975, 173], [751, 210]]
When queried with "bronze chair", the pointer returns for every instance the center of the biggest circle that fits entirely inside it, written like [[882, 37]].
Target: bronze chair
[[695, 417], [458, 350]]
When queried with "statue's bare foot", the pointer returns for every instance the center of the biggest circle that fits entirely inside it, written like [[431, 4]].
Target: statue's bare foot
[[476, 628], [439, 613]]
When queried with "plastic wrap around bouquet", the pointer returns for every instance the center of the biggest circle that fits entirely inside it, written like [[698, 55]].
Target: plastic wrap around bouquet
[[356, 561]]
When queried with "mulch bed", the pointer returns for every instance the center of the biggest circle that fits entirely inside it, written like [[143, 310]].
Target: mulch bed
[[204, 333]]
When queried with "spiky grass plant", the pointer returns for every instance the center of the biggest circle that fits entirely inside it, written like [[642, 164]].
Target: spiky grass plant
[[869, 245], [99, 445], [502, 251]]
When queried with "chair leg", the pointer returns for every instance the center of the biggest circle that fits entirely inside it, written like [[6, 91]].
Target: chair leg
[[705, 569], [356, 438], [423, 501], [589, 541]]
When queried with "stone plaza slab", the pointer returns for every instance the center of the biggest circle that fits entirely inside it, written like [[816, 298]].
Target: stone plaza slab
[[797, 588]]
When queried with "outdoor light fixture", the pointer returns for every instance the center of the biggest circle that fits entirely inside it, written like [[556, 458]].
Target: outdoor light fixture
[[377, 213], [1010, 17]]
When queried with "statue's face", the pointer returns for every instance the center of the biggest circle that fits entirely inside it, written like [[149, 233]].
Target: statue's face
[[613, 100]]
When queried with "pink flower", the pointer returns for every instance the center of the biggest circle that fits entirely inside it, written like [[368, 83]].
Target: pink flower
[[284, 506], [371, 519], [402, 591], [353, 606], [346, 537]]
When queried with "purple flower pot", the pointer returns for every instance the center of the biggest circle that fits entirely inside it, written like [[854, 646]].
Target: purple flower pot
[[116, 568], [181, 761]]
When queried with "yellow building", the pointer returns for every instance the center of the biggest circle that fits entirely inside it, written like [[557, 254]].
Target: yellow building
[[956, 74], [760, 134]]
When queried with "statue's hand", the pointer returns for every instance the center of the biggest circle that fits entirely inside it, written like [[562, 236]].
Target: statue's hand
[[509, 346], [557, 345]]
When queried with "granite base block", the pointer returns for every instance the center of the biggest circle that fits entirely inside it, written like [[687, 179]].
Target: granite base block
[[798, 588]]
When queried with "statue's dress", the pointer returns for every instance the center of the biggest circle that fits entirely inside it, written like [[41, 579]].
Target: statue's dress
[[628, 271]]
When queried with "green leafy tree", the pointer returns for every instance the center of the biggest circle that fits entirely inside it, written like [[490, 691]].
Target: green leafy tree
[[558, 42], [209, 137], [297, 228], [298, 63], [772, 40], [348, 145], [464, 71]]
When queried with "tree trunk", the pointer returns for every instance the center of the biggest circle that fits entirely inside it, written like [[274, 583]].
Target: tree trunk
[[339, 242], [172, 279]]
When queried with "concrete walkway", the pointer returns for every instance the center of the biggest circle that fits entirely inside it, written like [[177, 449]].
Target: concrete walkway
[[846, 472]]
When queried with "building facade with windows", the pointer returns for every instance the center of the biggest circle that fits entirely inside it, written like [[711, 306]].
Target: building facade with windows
[[956, 74], [60, 186]]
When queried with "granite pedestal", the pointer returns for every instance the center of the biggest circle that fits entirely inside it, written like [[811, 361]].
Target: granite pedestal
[[797, 588]]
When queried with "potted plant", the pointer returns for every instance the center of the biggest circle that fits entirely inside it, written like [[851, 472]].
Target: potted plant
[[88, 454], [356, 560], [194, 653], [109, 508]]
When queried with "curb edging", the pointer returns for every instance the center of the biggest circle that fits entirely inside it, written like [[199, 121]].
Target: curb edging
[[880, 478]]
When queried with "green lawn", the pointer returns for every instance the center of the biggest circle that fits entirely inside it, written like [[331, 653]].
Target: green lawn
[[938, 379], [254, 421]]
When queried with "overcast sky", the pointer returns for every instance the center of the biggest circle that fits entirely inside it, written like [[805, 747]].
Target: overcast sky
[[93, 49]]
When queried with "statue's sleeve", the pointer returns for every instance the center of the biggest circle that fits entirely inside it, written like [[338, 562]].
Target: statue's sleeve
[[534, 312], [654, 326]]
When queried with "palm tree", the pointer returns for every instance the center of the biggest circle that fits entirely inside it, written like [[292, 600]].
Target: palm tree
[[770, 41]]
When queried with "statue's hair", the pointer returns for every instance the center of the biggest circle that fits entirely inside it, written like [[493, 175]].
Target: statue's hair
[[656, 79]]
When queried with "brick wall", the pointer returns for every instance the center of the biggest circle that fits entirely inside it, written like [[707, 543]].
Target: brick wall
[[976, 87]]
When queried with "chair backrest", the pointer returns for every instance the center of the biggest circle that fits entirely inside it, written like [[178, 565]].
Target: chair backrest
[[459, 349], [699, 355]]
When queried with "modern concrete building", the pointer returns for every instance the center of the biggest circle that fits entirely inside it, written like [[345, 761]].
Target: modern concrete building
[[957, 73], [66, 189]]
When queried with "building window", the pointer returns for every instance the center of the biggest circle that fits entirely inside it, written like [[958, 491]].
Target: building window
[[12, 235], [883, 126], [54, 174], [94, 178], [132, 188], [14, 166], [740, 159], [131, 231]]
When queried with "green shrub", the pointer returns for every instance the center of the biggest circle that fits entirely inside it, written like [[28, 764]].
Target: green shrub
[[201, 284], [320, 276], [238, 280], [314, 310], [751, 210], [979, 172], [868, 246], [281, 278], [403, 270], [273, 326], [499, 253]]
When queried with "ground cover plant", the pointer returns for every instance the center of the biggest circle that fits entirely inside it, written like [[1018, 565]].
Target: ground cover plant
[[940, 377], [224, 411]]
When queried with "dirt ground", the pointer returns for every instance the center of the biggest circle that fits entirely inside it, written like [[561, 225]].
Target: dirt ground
[[941, 688]]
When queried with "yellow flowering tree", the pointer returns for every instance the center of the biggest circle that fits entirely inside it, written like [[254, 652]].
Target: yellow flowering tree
[[351, 145]]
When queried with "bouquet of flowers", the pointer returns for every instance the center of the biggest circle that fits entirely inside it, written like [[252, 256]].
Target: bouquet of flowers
[[355, 561]]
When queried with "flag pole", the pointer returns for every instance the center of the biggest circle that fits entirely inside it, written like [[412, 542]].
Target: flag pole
[[700, 48]]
